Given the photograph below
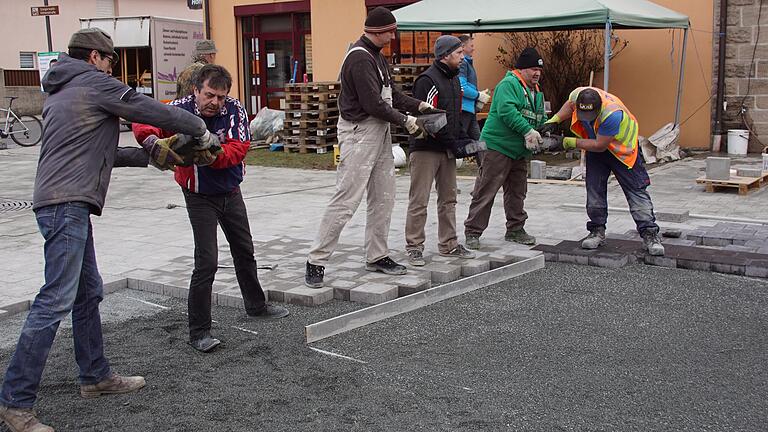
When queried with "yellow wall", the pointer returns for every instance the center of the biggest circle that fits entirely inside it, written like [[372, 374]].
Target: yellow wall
[[335, 24]]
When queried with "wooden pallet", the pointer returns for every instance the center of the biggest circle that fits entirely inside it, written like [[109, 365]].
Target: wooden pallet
[[311, 105], [327, 132], [314, 87], [307, 148], [295, 140], [329, 114], [744, 184], [311, 97]]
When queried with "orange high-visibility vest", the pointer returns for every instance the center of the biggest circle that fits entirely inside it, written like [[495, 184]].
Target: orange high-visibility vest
[[624, 143]]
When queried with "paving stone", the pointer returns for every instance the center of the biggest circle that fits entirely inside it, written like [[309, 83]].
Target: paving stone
[[661, 261], [275, 289], [672, 215], [443, 273], [305, 296], [407, 285], [115, 285], [538, 169], [608, 260], [749, 172], [716, 241], [500, 260], [738, 248], [580, 257], [523, 254], [475, 266], [4, 314], [694, 264], [373, 293], [679, 242], [174, 291], [558, 172], [15, 306], [728, 268], [231, 298], [757, 268], [718, 168]]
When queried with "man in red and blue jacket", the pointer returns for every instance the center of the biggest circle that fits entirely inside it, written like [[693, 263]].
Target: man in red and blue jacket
[[211, 187]]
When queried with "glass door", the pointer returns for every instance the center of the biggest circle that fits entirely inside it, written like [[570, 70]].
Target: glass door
[[278, 67]]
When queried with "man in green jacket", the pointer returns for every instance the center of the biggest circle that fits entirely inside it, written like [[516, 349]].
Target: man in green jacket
[[510, 133]]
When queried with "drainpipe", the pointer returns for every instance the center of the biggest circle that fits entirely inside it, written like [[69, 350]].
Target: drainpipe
[[207, 14], [716, 143]]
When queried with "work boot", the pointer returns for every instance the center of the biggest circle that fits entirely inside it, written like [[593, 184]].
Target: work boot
[[416, 258], [313, 277], [520, 236], [386, 266], [652, 243], [271, 312], [205, 344], [22, 420], [473, 241], [594, 240], [114, 384], [459, 252]]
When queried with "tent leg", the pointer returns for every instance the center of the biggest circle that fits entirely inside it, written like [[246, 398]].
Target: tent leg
[[607, 59], [680, 78]]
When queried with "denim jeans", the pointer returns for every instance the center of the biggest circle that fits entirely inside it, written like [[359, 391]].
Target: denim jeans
[[206, 212], [72, 284], [633, 182]]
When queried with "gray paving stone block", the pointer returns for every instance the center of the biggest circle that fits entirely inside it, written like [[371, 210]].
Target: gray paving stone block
[[4, 314], [716, 241], [15, 306], [231, 298], [305, 296], [749, 172], [694, 265], [174, 291], [523, 254], [739, 248], [679, 242], [672, 215], [373, 293], [538, 169], [115, 285], [558, 172], [757, 268], [499, 260], [718, 168], [407, 285], [573, 258], [608, 260], [661, 261], [728, 268], [276, 288], [475, 266], [443, 273]]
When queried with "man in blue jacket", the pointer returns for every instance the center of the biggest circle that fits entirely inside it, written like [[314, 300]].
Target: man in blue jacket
[[80, 135], [472, 100]]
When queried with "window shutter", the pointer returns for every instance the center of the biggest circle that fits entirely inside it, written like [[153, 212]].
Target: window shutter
[[105, 8], [26, 60]]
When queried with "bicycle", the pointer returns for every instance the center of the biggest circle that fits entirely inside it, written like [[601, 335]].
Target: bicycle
[[25, 131]]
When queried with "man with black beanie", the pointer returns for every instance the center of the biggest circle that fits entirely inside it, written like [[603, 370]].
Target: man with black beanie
[[517, 109], [368, 103]]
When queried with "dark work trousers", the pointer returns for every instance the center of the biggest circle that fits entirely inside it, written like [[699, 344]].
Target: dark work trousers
[[205, 213], [498, 171], [633, 182], [469, 125]]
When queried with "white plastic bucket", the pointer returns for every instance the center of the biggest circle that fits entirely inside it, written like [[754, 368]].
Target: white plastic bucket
[[738, 139], [765, 161], [399, 154]]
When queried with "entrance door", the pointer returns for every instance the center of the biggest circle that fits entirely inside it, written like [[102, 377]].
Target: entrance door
[[277, 64]]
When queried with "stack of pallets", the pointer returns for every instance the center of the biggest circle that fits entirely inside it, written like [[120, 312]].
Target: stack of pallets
[[404, 76], [310, 116]]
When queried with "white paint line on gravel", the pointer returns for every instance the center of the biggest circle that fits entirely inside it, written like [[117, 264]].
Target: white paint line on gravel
[[244, 330], [337, 355], [149, 303]]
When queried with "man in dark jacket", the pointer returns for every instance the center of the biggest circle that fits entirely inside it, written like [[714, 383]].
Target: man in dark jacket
[[431, 158], [81, 119], [212, 194], [368, 103]]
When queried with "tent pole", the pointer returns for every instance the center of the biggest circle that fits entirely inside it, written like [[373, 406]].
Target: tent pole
[[680, 78], [607, 60]]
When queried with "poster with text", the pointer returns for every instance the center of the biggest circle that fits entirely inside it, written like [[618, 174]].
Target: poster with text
[[44, 60], [173, 46]]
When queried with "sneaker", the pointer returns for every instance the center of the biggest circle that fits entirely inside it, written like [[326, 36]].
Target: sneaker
[[652, 243], [416, 258], [271, 312], [520, 236], [386, 266], [114, 384], [473, 241], [594, 240], [22, 420], [205, 344], [459, 252], [313, 277]]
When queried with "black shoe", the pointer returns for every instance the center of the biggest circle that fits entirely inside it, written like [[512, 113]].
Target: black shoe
[[205, 344], [271, 312], [313, 277], [386, 266]]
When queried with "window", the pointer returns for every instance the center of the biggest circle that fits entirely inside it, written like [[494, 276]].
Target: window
[[27, 60]]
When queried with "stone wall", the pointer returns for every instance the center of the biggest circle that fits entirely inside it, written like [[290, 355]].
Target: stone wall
[[30, 99], [746, 80]]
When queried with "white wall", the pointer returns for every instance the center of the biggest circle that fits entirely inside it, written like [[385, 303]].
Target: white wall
[[20, 31]]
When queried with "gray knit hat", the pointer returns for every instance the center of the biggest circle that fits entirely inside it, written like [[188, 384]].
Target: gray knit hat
[[205, 46], [446, 44]]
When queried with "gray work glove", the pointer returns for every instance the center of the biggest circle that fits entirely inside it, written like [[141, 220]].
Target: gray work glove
[[207, 141], [413, 128], [161, 156]]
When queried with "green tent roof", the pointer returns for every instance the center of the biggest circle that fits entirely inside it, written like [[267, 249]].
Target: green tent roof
[[478, 16]]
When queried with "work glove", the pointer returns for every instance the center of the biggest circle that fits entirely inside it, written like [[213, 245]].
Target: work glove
[[204, 158], [484, 96], [533, 141], [207, 141], [551, 126], [413, 128], [569, 143], [160, 154], [425, 107]]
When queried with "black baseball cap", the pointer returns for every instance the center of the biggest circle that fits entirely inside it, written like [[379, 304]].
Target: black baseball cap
[[588, 105]]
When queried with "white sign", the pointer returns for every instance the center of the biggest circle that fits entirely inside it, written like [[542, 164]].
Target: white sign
[[270, 60], [173, 46], [44, 60]]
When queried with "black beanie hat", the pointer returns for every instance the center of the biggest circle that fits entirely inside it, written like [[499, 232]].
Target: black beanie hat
[[380, 20], [529, 58]]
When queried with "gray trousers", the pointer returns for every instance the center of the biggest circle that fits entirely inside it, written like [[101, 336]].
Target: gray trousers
[[366, 166], [427, 167]]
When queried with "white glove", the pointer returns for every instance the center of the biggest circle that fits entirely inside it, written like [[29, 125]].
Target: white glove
[[533, 141], [206, 141], [413, 128], [484, 96], [425, 106], [479, 106]]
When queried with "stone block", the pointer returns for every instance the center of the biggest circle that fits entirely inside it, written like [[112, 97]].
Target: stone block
[[232, 298], [608, 260], [716, 241], [558, 172], [573, 257], [749, 172], [538, 169], [694, 264], [373, 293], [342, 292], [729, 268], [673, 215], [305, 296], [718, 168], [475, 266], [4, 314], [276, 289], [523, 254], [500, 260], [661, 261], [15, 306], [443, 273], [757, 268], [407, 285]]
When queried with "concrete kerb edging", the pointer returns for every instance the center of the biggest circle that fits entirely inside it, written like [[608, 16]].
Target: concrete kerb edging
[[382, 311]]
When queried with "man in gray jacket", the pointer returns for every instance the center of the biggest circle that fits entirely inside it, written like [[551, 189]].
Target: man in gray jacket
[[79, 149]]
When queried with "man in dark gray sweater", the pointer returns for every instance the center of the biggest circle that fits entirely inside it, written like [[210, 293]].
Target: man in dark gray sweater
[[79, 149]]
